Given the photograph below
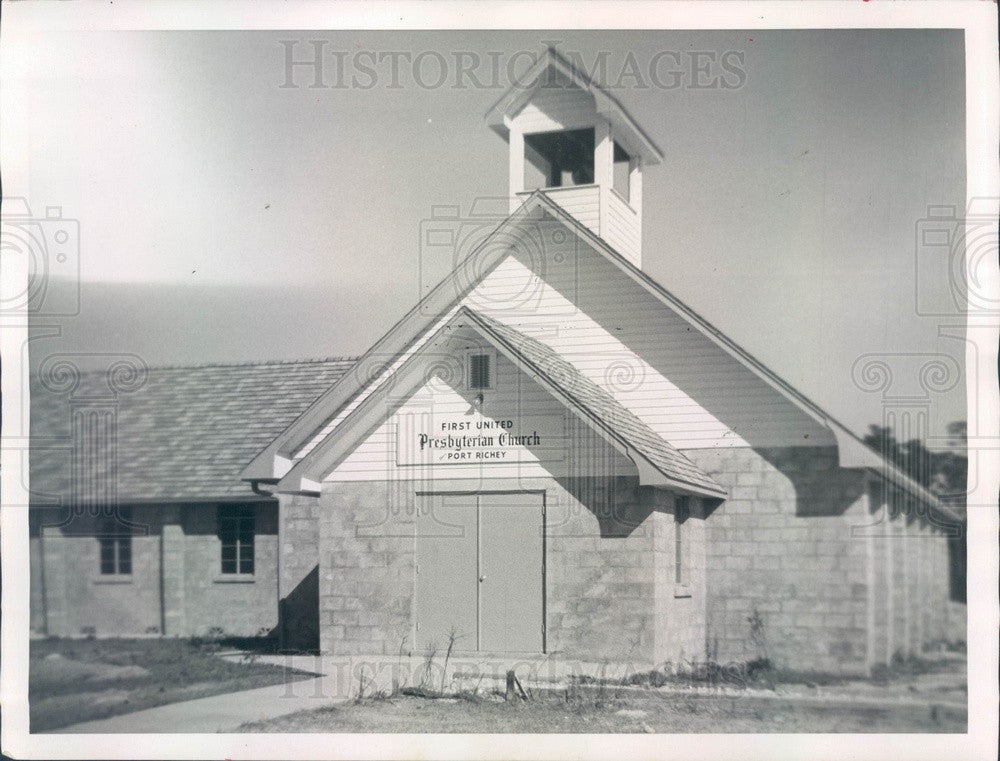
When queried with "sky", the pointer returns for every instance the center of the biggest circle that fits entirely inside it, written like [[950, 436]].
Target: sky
[[226, 218]]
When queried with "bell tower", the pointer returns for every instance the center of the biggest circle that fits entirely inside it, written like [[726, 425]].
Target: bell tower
[[573, 141]]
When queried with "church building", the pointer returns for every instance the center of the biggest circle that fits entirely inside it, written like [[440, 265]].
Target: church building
[[550, 455]]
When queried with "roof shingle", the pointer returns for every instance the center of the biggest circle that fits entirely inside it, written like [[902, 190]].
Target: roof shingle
[[183, 434]]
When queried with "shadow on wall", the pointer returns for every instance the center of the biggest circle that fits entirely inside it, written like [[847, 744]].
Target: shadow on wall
[[680, 349], [298, 627], [620, 505]]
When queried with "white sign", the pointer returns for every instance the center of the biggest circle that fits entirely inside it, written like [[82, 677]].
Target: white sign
[[468, 439]]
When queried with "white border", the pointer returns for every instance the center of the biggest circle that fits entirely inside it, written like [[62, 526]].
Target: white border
[[978, 19]]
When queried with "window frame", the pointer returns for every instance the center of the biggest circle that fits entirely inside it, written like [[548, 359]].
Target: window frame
[[235, 523], [114, 537]]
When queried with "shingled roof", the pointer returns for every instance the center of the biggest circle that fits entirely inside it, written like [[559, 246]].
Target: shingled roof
[[183, 433]]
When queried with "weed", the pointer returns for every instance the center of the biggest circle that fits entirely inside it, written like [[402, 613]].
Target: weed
[[452, 636], [429, 657], [399, 667]]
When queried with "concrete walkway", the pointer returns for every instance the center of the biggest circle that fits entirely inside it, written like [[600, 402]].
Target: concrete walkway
[[218, 713]]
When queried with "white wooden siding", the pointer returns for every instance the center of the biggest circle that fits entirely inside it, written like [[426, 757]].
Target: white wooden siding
[[518, 288], [623, 228], [582, 202], [648, 357], [566, 440], [556, 108]]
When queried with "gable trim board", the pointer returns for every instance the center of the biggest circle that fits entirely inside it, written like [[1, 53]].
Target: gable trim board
[[658, 463], [279, 458]]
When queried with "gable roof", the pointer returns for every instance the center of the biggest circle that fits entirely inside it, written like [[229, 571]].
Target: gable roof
[[659, 463], [852, 451], [626, 130], [182, 434]]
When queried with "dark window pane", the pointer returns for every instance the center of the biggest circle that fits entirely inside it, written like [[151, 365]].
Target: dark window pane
[[246, 565], [558, 159], [620, 180], [125, 556], [246, 531], [678, 556], [229, 566], [107, 555]]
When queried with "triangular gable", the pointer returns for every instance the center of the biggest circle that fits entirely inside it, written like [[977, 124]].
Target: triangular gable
[[521, 92], [278, 456], [658, 463], [852, 451]]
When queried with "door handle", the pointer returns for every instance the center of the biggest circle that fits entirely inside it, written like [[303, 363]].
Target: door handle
[[482, 579]]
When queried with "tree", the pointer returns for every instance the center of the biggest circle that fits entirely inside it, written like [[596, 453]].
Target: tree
[[944, 471]]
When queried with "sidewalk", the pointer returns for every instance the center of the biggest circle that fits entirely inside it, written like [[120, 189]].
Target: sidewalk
[[218, 713]]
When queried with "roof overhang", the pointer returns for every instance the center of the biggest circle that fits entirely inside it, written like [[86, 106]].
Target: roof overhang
[[624, 127]]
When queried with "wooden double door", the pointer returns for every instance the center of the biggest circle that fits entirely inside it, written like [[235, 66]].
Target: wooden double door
[[480, 572]]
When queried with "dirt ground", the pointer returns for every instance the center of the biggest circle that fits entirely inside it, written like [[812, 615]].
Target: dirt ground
[[74, 680], [655, 711], [927, 696]]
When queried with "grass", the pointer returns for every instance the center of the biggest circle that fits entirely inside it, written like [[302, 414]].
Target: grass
[[633, 711], [75, 680]]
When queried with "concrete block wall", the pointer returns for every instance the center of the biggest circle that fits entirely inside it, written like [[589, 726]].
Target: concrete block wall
[[600, 569], [176, 587], [680, 610], [366, 557], [601, 572], [78, 600], [298, 575], [782, 545], [910, 571], [800, 541], [36, 573], [242, 607]]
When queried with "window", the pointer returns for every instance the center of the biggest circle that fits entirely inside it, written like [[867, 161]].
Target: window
[[236, 531], [681, 512], [621, 170], [558, 159], [479, 371], [115, 540]]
